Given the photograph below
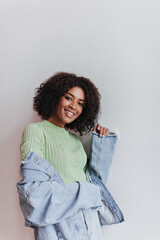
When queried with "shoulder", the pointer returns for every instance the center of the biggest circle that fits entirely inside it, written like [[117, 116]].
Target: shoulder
[[32, 139], [33, 128]]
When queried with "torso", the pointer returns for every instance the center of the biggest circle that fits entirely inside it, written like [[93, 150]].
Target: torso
[[62, 149]]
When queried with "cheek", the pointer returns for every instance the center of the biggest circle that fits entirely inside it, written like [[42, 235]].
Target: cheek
[[62, 103], [80, 111]]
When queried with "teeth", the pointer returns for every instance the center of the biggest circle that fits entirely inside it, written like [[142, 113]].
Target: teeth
[[70, 113]]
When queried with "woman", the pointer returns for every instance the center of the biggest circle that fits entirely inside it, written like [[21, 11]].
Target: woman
[[64, 102]]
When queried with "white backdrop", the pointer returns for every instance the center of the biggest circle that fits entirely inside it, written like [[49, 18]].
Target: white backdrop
[[115, 44]]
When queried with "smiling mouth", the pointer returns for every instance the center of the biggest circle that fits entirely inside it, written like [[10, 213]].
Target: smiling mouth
[[69, 113]]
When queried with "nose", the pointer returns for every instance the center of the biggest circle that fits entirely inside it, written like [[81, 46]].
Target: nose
[[73, 104]]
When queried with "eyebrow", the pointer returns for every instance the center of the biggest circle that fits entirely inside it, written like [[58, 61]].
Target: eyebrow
[[74, 97]]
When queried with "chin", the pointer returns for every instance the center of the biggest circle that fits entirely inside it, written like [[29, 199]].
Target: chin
[[69, 121]]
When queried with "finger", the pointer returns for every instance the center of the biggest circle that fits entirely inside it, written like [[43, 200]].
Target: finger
[[96, 128], [106, 132], [101, 131]]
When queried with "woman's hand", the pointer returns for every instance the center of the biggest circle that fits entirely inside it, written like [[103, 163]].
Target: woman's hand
[[102, 131]]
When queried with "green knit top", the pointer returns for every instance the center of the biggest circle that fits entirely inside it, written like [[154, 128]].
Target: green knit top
[[62, 149]]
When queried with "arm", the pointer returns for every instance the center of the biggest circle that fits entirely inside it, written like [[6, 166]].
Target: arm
[[44, 200]]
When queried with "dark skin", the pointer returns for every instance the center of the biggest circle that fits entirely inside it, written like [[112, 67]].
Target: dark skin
[[70, 107], [102, 131]]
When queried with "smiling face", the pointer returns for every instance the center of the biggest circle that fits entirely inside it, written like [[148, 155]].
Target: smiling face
[[69, 108]]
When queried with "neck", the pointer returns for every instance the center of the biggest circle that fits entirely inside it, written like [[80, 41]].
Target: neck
[[56, 121]]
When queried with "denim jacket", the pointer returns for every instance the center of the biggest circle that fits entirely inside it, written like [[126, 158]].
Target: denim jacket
[[67, 211]]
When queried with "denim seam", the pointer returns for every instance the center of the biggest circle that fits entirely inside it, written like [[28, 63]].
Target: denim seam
[[78, 228], [99, 156], [35, 185]]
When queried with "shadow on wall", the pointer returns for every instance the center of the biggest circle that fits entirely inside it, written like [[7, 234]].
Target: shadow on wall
[[87, 143]]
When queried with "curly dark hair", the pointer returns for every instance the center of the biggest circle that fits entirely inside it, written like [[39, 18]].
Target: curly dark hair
[[47, 97]]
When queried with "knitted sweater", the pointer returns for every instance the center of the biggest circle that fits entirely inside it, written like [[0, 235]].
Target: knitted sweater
[[62, 149]]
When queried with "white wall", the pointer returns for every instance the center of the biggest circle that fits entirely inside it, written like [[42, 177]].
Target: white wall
[[114, 43]]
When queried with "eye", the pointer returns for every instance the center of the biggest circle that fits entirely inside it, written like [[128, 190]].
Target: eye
[[68, 98], [81, 104]]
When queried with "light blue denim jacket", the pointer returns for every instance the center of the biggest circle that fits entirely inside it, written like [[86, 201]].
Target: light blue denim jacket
[[67, 211]]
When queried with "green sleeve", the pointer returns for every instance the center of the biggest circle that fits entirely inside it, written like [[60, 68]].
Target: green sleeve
[[32, 140]]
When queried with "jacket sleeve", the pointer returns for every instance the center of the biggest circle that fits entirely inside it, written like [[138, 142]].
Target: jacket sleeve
[[102, 154], [49, 202]]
